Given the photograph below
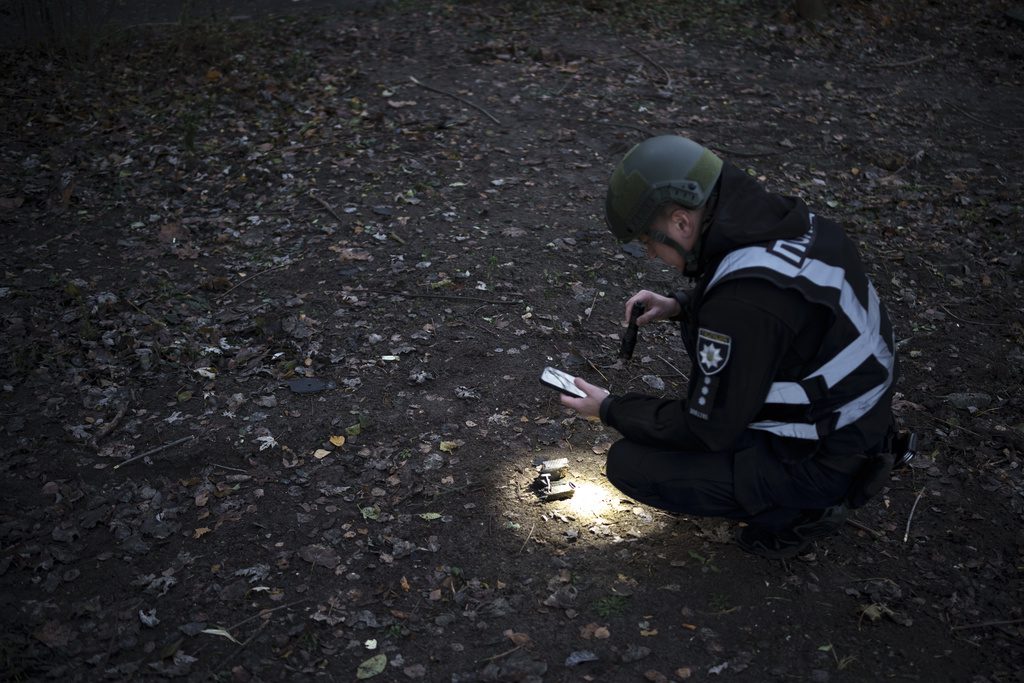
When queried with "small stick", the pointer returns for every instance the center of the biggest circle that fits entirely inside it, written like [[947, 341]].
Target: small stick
[[253, 277], [979, 120], [967, 322], [326, 205], [450, 297], [152, 317], [668, 76], [454, 96], [593, 301], [596, 369], [986, 624], [482, 329], [499, 656], [233, 469], [906, 533], [855, 523], [681, 373], [910, 62], [264, 612], [528, 537], [241, 647], [154, 450]]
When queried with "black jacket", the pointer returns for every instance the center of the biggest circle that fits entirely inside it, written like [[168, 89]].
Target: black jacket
[[772, 332]]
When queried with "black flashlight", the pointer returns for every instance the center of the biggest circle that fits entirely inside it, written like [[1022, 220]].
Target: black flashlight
[[629, 340]]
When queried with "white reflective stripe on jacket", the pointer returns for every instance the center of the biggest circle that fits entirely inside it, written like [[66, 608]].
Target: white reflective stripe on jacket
[[865, 320]]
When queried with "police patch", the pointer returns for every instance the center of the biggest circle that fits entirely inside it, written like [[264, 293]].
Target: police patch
[[712, 350]]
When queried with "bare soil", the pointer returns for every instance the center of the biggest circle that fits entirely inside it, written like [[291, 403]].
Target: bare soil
[[276, 294]]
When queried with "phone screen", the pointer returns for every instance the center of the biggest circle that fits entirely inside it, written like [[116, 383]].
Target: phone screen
[[563, 381]]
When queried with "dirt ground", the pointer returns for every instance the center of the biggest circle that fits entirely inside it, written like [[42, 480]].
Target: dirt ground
[[276, 295]]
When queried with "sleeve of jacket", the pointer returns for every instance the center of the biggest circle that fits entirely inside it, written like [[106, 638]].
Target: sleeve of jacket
[[759, 320]]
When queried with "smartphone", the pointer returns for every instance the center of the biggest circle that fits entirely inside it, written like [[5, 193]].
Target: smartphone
[[563, 381]]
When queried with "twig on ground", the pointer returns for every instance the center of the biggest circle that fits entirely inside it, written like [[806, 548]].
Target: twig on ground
[[596, 369], [224, 662], [980, 120], [906, 533], [986, 624], [233, 469], [263, 612], [253, 277], [450, 297], [454, 96], [528, 537], [967, 322], [152, 317], [153, 451], [680, 372], [591, 309], [874, 578], [668, 76], [909, 62], [858, 525], [499, 656], [949, 424], [324, 203], [480, 327]]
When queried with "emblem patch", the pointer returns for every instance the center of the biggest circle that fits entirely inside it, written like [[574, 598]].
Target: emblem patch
[[712, 350]]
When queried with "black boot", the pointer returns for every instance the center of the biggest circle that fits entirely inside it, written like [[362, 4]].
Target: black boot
[[790, 542]]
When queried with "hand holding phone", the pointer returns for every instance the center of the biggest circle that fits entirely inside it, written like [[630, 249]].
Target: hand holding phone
[[562, 381]]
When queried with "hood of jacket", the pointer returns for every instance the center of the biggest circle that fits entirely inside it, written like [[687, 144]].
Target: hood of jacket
[[745, 214]]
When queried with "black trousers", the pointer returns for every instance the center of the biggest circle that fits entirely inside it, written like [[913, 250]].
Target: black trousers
[[750, 483]]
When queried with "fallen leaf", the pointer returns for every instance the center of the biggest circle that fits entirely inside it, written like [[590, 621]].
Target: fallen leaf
[[200, 532], [372, 666], [320, 453], [518, 639], [213, 74], [579, 657], [349, 254], [220, 632], [404, 583], [321, 555], [450, 446], [337, 441], [430, 516], [54, 634]]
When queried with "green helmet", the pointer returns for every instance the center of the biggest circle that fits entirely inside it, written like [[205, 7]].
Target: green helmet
[[659, 170]]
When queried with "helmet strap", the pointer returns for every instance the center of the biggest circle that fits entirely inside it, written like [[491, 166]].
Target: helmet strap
[[689, 258]]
